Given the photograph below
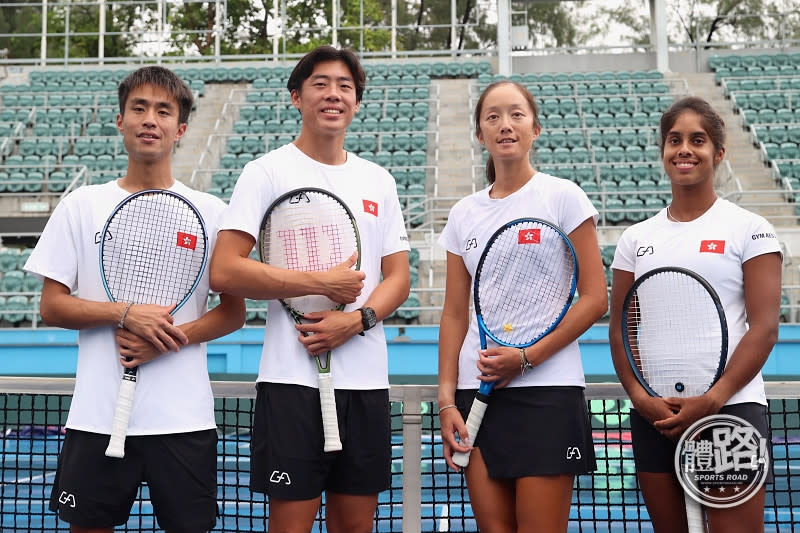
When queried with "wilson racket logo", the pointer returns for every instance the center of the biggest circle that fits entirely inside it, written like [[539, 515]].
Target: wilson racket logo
[[370, 207], [529, 236], [712, 247], [187, 240], [313, 243]]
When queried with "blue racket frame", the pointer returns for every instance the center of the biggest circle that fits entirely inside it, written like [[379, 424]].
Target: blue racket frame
[[486, 387]]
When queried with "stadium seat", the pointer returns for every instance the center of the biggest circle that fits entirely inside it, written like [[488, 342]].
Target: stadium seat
[[11, 281]]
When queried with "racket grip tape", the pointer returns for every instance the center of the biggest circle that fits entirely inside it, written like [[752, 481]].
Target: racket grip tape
[[473, 425], [694, 515], [122, 414], [330, 422]]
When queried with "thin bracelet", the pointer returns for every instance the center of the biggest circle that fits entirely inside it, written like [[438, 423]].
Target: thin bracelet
[[124, 314], [445, 407], [523, 362]]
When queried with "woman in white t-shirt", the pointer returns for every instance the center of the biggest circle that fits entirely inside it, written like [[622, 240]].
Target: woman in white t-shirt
[[743, 264], [535, 436]]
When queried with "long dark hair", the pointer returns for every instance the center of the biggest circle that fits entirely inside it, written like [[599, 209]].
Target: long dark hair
[[490, 172]]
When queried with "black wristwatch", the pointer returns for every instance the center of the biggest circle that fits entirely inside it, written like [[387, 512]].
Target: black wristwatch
[[368, 319]]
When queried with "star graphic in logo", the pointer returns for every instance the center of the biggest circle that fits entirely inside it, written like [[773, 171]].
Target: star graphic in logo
[[507, 327]]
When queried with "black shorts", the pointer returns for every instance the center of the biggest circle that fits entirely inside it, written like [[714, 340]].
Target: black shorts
[[287, 461], [655, 453], [533, 431], [95, 491]]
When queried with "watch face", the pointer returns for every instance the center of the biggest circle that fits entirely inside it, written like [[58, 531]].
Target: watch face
[[368, 318]]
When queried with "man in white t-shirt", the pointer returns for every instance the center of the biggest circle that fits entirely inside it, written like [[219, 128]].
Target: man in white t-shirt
[[172, 440], [287, 458]]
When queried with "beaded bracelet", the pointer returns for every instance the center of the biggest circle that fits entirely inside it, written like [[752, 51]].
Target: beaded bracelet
[[124, 314], [445, 407]]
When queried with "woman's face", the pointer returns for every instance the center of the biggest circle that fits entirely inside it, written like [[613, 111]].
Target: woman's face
[[507, 124], [689, 155]]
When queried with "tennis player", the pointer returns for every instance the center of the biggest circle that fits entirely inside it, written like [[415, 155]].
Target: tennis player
[[738, 253], [172, 440], [287, 458], [535, 436]]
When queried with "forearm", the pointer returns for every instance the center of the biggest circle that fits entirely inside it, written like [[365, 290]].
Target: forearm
[[246, 278], [452, 332], [226, 318], [60, 309], [745, 362]]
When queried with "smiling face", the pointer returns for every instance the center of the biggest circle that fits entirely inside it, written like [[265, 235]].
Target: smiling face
[[149, 125], [506, 123], [689, 155], [327, 99]]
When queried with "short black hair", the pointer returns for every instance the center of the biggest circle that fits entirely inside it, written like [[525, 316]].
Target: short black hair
[[302, 71], [158, 77]]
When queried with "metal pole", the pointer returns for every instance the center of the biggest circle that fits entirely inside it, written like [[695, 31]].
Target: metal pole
[[453, 26], [504, 37], [394, 29], [101, 44], [43, 48]]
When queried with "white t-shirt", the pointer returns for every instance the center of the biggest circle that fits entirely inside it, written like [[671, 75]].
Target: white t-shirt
[[715, 246], [173, 393], [472, 222], [370, 193]]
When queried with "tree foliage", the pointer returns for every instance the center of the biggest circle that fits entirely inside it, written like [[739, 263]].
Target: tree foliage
[[249, 27]]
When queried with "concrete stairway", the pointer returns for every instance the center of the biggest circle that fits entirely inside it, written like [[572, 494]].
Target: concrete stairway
[[193, 152], [760, 192]]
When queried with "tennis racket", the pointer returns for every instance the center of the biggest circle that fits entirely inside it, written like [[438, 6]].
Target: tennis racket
[[523, 287], [676, 339], [311, 230], [153, 251]]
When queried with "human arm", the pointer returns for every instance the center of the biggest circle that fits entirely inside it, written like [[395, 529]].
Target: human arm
[[453, 327], [233, 272], [225, 318], [331, 329], [153, 323], [501, 364], [762, 295]]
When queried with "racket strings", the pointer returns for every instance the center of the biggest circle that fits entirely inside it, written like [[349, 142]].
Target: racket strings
[[524, 287], [154, 250], [308, 232], [675, 333]]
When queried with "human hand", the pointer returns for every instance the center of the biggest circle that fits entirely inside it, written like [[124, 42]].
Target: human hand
[[343, 284], [154, 324]]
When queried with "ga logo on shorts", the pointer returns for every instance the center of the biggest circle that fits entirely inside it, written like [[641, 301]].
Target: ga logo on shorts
[[721, 461]]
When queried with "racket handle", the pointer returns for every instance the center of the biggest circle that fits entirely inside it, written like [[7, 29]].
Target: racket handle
[[694, 515], [330, 422], [473, 425], [122, 413]]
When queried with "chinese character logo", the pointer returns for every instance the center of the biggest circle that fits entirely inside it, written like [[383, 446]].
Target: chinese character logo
[[722, 461]]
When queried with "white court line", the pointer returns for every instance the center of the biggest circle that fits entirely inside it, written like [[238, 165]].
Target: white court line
[[444, 520], [28, 479]]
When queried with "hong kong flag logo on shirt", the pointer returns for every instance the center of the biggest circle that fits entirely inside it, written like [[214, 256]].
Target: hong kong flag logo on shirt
[[370, 207], [529, 236], [187, 240], [712, 247]]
